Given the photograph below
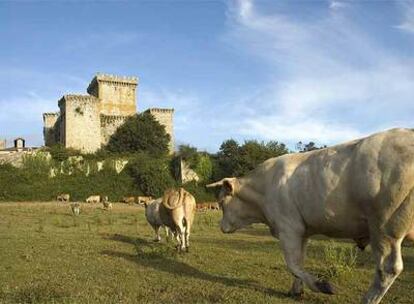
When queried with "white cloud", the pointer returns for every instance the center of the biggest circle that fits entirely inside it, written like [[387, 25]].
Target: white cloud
[[332, 81], [336, 5], [407, 24]]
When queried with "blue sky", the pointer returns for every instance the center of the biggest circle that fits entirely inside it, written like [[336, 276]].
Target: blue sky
[[326, 71]]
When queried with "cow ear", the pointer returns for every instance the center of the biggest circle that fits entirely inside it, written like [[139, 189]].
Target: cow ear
[[229, 184]]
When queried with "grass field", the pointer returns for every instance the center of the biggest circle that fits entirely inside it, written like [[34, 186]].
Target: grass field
[[49, 256]]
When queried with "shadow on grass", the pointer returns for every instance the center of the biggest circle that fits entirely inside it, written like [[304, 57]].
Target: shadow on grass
[[162, 259], [264, 246]]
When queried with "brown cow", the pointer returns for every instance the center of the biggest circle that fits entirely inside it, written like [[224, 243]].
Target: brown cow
[[177, 213]]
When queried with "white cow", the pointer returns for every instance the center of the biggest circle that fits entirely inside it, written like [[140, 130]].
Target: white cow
[[363, 190], [93, 199], [152, 213]]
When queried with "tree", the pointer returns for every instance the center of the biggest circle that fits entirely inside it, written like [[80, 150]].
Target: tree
[[253, 153], [140, 133], [302, 147], [152, 175], [227, 161], [236, 160], [189, 154]]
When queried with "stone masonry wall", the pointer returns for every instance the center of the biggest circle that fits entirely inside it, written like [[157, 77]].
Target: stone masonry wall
[[82, 125], [51, 128], [109, 124], [165, 118]]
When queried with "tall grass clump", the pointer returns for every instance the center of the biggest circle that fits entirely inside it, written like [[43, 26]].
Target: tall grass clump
[[338, 259]]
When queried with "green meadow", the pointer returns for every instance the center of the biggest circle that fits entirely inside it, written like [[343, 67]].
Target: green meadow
[[49, 256]]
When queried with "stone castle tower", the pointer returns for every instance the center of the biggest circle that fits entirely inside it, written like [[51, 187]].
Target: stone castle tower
[[86, 122]]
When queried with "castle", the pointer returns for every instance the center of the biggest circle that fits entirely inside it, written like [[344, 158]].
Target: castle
[[86, 122]]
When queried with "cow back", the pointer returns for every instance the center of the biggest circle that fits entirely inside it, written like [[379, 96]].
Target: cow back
[[173, 199]]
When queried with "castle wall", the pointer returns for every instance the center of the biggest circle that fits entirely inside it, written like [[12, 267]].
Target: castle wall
[[109, 124], [165, 118], [117, 94], [51, 132], [81, 122]]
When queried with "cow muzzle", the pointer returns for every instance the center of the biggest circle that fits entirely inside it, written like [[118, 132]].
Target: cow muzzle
[[226, 227]]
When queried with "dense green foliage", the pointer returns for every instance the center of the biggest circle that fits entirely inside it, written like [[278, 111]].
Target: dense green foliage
[[140, 133], [43, 177], [32, 182], [60, 153], [152, 175], [236, 160]]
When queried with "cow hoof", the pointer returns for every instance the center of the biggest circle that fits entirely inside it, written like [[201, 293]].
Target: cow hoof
[[296, 295], [156, 240], [325, 287]]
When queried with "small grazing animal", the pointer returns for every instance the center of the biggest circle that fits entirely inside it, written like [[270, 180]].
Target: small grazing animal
[[75, 208]]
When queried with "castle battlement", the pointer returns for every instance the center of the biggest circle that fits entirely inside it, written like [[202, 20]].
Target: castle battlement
[[77, 97], [116, 78], [160, 110], [109, 119], [122, 81], [50, 114]]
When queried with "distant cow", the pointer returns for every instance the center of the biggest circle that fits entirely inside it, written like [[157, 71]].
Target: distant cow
[[93, 199], [106, 203], [75, 207], [362, 190], [202, 207], [177, 213], [214, 206], [128, 200], [64, 197], [141, 200], [152, 213]]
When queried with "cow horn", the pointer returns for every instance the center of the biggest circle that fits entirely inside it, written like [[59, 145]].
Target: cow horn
[[216, 184]]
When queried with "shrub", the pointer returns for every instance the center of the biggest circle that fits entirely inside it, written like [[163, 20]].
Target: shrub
[[60, 153], [36, 165], [151, 175], [140, 133]]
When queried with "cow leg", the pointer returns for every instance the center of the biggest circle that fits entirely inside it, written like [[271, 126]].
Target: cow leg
[[187, 235], [157, 234], [297, 286], [181, 231], [168, 235], [389, 265], [293, 250]]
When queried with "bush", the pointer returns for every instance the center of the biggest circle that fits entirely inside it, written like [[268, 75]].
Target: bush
[[32, 182], [140, 133], [60, 153], [151, 175]]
